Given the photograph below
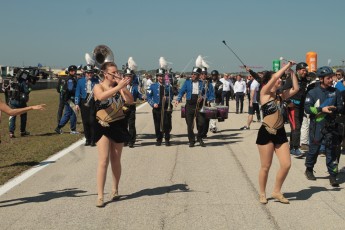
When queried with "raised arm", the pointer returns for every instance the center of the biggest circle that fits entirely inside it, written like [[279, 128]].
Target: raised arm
[[101, 95], [270, 84], [295, 88]]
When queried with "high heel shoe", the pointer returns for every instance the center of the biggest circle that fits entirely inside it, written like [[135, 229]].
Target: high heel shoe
[[262, 199], [280, 198], [100, 203], [115, 196]]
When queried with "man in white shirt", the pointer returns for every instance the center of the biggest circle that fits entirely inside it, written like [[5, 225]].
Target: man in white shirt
[[253, 103], [227, 86], [240, 91]]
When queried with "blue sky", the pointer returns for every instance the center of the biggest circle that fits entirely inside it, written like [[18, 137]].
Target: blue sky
[[59, 33]]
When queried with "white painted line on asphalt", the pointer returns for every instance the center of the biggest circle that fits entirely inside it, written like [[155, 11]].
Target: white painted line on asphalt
[[25, 175]]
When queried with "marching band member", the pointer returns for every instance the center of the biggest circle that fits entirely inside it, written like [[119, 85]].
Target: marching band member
[[110, 130], [206, 81], [218, 89], [131, 109], [194, 90], [85, 103], [159, 96]]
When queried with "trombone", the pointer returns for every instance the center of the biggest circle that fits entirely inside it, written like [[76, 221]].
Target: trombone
[[166, 87]]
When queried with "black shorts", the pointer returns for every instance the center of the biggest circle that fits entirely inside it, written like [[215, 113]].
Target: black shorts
[[264, 137], [251, 110], [117, 131]]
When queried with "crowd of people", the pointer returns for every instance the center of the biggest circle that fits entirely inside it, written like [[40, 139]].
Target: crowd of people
[[310, 102]]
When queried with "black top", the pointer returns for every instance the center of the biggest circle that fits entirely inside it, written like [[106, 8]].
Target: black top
[[269, 108], [302, 83]]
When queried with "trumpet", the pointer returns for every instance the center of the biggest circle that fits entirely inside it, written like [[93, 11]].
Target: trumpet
[[88, 99], [205, 84]]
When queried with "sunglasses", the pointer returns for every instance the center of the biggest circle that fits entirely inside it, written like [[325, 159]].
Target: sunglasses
[[337, 74]]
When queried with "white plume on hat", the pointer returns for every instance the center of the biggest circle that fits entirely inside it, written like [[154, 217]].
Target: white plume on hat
[[200, 62], [131, 64], [164, 64]]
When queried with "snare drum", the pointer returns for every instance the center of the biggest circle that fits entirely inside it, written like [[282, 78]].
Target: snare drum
[[210, 112], [222, 112], [183, 111]]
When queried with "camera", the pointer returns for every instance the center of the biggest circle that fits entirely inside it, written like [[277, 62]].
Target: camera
[[29, 74], [16, 88]]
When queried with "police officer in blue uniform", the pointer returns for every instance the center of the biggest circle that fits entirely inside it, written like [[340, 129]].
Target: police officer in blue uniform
[[160, 96], [131, 109], [323, 103], [68, 93], [195, 91], [85, 102]]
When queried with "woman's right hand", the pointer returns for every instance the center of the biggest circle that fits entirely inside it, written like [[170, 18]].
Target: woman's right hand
[[123, 82], [39, 107]]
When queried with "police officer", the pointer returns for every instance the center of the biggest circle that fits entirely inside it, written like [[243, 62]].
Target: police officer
[[322, 103], [130, 111], [156, 93], [195, 91], [296, 108], [68, 94], [59, 89], [18, 98], [85, 102]]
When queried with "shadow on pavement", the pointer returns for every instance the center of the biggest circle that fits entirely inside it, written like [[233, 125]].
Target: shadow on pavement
[[305, 194], [156, 191], [44, 134], [44, 197], [28, 163]]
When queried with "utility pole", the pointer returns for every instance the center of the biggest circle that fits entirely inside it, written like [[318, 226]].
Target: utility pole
[[343, 61]]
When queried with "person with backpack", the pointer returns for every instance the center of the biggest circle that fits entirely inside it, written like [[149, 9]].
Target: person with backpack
[[67, 92]]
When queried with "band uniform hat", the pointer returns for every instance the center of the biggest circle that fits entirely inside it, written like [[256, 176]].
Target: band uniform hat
[[204, 70], [88, 69], [196, 70], [160, 72], [128, 71]]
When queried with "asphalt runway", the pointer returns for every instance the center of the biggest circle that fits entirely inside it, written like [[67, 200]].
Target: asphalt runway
[[175, 187]]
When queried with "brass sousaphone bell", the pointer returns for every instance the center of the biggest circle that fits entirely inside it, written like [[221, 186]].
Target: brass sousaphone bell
[[100, 55]]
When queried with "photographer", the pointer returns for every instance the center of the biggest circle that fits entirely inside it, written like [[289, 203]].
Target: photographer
[[18, 92], [323, 103]]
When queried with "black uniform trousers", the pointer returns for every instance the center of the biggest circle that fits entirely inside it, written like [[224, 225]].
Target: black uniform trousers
[[88, 116], [167, 126], [200, 121], [130, 117], [239, 101]]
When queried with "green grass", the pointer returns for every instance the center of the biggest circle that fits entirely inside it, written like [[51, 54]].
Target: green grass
[[20, 153]]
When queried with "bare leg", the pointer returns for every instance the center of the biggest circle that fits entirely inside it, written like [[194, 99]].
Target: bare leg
[[103, 161], [266, 155], [115, 161], [283, 154], [250, 120]]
